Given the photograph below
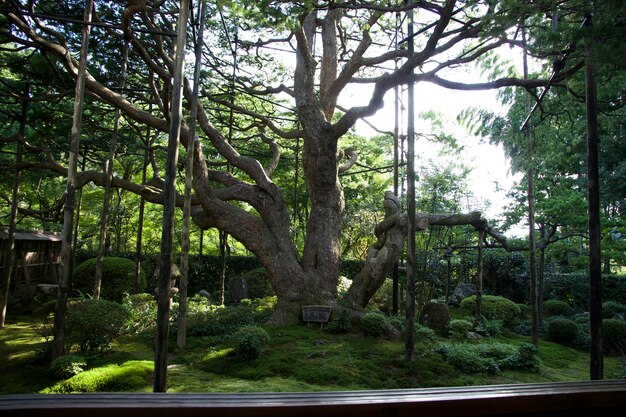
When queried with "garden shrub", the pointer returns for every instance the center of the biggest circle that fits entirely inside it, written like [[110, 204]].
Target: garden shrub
[[374, 324], [250, 342], [424, 334], [493, 308], [612, 308], [581, 319], [129, 376], [525, 311], [341, 323], [561, 330], [489, 357], [94, 324], [556, 308], [142, 310], [436, 316], [224, 321], [489, 328], [459, 328], [263, 308], [67, 366], [614, 336], [118, 278]]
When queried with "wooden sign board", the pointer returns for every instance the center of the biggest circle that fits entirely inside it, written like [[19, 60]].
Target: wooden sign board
[[316, 314]]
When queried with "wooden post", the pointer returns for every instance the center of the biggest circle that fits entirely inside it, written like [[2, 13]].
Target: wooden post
[[167, 236], [67, 247], [409, 346], [192, 142], [596, 363]]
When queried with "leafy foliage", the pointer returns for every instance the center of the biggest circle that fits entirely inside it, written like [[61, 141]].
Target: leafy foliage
[[250, 341], [118, 277], [374, 324], [612, 308], [614, 336], [142, 310], [561, 330], [489, 328], [556, 308], [489, 357], [493, 308], [424, 334], [93, 324], [458, 328], [67, 366]]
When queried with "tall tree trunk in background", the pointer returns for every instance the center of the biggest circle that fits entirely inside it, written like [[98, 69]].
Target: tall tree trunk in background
[[5, 282], [167, 237], [409, 345], [181, 337], [142, 204], [479, 276], [108, 169], [223, 241], [67, 249], [596, 363]]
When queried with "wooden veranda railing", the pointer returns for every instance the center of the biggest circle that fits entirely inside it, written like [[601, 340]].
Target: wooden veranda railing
[[595, 398]]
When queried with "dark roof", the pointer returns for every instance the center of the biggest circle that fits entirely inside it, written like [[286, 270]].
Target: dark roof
[[41, 236]]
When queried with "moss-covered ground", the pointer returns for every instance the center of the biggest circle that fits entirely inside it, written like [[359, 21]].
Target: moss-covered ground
[[298, 358]]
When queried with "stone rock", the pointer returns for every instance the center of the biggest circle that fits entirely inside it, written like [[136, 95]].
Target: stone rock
[[238, 289], [473, 336], [461, 292], [45, 293], [205, 294], [436, 316]]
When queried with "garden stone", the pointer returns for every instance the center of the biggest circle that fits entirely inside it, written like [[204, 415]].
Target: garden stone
[[238, 289], [436, 316], [205, 294], [461, 292]]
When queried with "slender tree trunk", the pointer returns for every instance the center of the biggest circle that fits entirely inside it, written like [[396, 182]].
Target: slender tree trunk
[[409, 345], [596, 365], [67, 249], [181, 339], [223, 240], [479, 276], [142, 204], [165, 272], [10, 259]]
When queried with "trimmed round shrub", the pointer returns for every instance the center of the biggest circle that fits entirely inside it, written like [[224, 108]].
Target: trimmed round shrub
[[493, 308], [436, 316], [556, 308], [67, 366], [374, 324], [424, 334], [561, 330], [399, 323], [93, 324], [250, 342], [582, 320], [612, 308], [459, 328], [525, 311], [614, 336], [118, 278]]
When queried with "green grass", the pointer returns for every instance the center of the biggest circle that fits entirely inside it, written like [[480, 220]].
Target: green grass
[[298, 358]]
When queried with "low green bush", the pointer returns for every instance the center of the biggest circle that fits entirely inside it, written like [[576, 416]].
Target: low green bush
[[129, 376], [224, 321], [258, 283], [489, 328], [561, 330], [341, 323], [612, 308], [459, 328], [424, 334], [250, 342], [374, 324], [67, 366], [493, 308], [118, 278], [614, 336], [489, 357], [398, 322], [556, 308], [93, 324]]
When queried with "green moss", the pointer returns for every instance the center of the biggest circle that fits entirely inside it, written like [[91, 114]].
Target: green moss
[[493, 308]]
